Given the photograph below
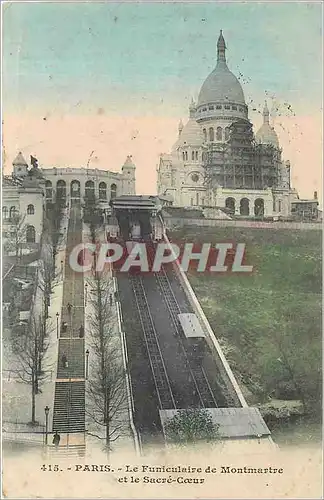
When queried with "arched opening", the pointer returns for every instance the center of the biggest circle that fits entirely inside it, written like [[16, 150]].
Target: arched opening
[[30, 234], [219, 133], [211, 134], [197, 198], [61, 190], [183, 156], [259, 207], [186, 155], [192, 155], [75, 189], [102, 191], [227, 133], [90, 190], [5, 213], [48, 190], [196, 155], [230, 205], [13, 212], [30, 210], [244, 206], [113, 191], [205, 134]]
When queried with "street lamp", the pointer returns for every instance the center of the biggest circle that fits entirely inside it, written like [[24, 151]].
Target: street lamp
[[46, 409], [57, 325], [86, 293], [87, 363]]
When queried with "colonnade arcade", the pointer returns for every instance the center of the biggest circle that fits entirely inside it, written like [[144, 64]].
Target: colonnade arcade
[[245, 207], [62, 190]]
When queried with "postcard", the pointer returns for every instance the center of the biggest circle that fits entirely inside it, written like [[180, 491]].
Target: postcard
[[161, 249]]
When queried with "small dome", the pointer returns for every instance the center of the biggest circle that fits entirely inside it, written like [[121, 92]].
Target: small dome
[[267, 134], [191, 135], [221, 85], [20, 161], [129, 162]]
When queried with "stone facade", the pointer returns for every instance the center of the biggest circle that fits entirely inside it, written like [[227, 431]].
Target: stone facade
[[217, 160], [28, 189]]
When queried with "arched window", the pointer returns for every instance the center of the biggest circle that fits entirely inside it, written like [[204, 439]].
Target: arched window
[[244, 206], [30, 210], [75, 189], [192, 155], [90, 190], [227, 133], [259, 207], [102, 191], [186, 153], [5, 213], [211, 134], [196, 155], [61, 189], [48, 190], [230, 204], [219, 133], [279, 206], [197, 198], [30, 234], [113, 191], [13, 212], [205, 134], [183, 156]]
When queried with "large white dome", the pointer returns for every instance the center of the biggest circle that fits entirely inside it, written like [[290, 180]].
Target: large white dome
[[221, 85]]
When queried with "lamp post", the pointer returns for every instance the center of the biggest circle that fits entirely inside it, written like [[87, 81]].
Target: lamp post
[[57, 325], [87, 363], [46, 409], [86, 293]]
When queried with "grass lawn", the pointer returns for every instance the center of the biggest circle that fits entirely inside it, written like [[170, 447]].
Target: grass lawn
[[268, 322]]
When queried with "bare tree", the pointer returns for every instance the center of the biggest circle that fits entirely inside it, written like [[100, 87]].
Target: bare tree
[[53, 221], [47, 275], [30, 351], [17, 235], [107, 386], [191, 426]]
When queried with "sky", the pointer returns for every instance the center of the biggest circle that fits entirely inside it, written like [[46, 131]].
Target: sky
[[107, 80]]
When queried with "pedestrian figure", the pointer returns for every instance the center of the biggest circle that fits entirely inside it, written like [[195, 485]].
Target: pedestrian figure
[[64, 327], [81, 332], [64, 361], [69, 308], [56, 439]]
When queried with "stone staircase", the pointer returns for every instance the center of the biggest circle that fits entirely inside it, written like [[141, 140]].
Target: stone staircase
[[74, 352], [69, 407], [69, 399]]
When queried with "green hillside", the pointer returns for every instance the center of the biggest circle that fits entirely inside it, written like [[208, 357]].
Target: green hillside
[[268, 323]]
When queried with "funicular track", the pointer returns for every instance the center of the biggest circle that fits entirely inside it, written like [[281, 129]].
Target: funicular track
[[160, 376], [197, 372]]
